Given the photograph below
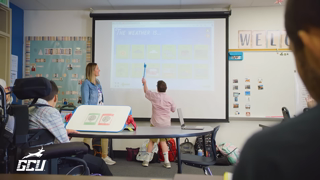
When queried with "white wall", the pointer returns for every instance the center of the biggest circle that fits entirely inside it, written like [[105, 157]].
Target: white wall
[[57, 23], [78, 23]]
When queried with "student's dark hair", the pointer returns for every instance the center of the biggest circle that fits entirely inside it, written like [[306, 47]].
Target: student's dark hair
[[53, 92], [301, 15], [162, 86]]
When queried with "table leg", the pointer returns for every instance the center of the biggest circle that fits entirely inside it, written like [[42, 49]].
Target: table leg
[[110, 153], [204, 145], [178, 153]]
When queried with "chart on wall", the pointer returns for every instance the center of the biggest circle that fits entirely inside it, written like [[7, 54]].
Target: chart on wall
[[61, 59]]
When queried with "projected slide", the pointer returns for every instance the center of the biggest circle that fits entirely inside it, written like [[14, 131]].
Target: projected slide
[[190, 55], [178, 52]]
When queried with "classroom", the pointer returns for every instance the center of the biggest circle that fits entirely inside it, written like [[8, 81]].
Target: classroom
[[170, 89]]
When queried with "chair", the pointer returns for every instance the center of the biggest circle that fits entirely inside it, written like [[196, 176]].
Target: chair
[[285, 114], [202, 161], [18, 143], [68, 107], [65, 110]]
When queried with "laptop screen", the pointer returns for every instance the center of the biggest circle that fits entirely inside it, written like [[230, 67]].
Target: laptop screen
[[180, 116]]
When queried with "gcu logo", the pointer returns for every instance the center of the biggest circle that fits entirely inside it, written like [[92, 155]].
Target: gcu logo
[[28, 163]]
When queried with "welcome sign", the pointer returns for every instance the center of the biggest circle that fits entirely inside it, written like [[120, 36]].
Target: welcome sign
[[248, 39]]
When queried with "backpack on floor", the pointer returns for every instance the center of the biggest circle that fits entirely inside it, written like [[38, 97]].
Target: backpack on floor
[[132, 153], [172, 151], [187, 147], [221, 159], [230, 151], [155, 158], [142, 155]]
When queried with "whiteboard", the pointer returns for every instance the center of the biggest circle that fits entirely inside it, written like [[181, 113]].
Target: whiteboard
[[277, 74], [95, 118]]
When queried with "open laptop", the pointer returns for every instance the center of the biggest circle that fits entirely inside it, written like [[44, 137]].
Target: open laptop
[[183, 126]]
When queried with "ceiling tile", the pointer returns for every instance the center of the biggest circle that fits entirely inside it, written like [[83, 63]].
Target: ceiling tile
[[267, 3], [204, 6], [146, 7], [137, 4], [214, 3], [145, 4], [75, 4], [204, 2], [28, 4]]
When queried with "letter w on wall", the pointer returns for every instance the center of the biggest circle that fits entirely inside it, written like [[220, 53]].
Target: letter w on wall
[[245, 39]]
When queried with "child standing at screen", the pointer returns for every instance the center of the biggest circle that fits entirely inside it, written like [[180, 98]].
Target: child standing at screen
[[162, 104]]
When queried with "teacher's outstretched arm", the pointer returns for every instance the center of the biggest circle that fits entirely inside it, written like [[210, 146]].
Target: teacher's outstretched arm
[[145, 87]]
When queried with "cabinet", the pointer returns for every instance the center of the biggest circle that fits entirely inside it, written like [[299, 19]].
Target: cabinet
[[5, 43]]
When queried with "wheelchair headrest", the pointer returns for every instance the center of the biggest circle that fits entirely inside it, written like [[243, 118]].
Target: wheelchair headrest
[[29, 88]]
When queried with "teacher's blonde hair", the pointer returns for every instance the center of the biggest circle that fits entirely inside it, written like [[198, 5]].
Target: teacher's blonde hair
[[90, 72]]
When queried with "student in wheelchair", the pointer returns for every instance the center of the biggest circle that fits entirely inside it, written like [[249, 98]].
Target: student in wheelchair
[[40, 127], [48, 117]]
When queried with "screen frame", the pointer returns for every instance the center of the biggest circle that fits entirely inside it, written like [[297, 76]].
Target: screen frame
[[164, 16]]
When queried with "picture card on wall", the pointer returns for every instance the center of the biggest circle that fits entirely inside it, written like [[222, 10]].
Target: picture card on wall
[[236, 94], [260, 87]]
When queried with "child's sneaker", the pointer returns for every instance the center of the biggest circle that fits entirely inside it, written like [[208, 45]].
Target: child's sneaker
[[167, 165], [145, 163]]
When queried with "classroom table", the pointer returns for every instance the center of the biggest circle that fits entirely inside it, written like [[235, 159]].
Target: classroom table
[[145, 132], [64, 177]]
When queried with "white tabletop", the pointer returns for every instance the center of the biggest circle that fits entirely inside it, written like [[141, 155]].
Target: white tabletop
[[95, 118], [145, 132]]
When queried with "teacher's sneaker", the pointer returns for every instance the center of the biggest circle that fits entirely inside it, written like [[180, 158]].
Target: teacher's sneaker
[[167, 165], [109, 161], [145, 163]]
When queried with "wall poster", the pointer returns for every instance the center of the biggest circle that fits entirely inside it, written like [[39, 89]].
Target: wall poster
[[62, 59]]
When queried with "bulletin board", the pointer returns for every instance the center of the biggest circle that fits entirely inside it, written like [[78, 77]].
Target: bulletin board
[[261, 84], [61, 59]]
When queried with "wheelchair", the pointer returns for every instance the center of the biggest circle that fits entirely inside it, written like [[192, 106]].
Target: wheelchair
[[32, 151]]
